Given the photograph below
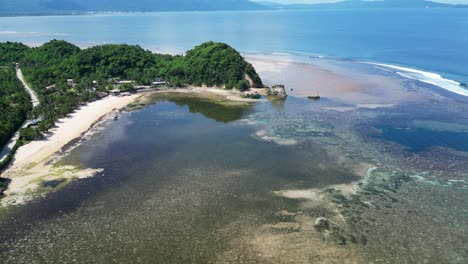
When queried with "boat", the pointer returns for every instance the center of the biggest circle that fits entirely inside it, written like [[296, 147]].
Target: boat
[[314, 97], [116, 117]]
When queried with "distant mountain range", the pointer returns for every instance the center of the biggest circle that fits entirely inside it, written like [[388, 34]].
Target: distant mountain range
[[363, 4], [70, 6], [32, 7]]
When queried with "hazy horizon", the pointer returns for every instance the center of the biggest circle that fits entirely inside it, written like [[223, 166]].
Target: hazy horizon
[[335, 1]]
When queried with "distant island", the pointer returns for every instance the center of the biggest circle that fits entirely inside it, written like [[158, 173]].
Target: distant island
[[51, 7]]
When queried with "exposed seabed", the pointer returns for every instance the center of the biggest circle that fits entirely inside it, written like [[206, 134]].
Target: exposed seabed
[[295, 181]]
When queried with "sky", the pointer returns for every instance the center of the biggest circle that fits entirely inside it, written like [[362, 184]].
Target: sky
[[331, 1]]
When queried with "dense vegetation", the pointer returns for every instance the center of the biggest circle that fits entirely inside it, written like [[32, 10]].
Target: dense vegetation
[[14, 104], [94, 70], [12, 52], [211, 64], [203, 65]]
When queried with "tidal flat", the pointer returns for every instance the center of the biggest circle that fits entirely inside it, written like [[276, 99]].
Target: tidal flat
[[203, 180]]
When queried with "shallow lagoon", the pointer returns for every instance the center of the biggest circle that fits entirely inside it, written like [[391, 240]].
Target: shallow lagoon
[[204, 180], [176, 177], [207, 181]]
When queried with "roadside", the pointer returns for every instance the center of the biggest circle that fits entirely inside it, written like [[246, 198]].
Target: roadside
[[5, 152], [34, 98]]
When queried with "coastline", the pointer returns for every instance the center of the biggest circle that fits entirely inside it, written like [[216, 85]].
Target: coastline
[[33, 162], [294, 228], [229, 95]]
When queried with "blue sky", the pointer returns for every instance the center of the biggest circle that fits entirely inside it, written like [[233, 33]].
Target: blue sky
[[331, 1]]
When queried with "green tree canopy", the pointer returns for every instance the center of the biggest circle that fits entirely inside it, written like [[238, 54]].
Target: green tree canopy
[[48, 67]]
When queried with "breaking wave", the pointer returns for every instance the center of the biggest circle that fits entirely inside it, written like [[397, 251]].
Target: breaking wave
[[427, 77]]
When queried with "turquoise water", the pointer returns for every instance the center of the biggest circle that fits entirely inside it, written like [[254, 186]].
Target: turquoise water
[[200, 181], [433, 40], [189, 180]]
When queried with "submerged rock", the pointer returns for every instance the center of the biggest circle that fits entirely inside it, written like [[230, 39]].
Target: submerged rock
[[286, 226], [3, 185], [322, 224], [343, 238]]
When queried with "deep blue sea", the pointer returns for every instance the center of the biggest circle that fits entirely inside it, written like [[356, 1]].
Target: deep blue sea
[[433, 40]]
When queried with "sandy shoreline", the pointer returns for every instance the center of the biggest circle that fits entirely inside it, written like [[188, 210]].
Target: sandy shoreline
[[230, 95], [29, 164], [32, 162]]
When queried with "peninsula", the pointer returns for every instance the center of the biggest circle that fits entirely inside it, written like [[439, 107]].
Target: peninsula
[[66, 78]]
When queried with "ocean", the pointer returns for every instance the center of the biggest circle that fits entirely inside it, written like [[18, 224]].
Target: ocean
[[429, 40], [199, 179]]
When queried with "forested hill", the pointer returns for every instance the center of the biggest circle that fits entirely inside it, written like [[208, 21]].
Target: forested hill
[[94, 70], [69, 6]]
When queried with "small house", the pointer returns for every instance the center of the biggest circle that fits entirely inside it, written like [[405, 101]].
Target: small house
[[114, 92], [35, 122], [141, 87], [70, 82], [159, 83], [122, 82], [50, 87]]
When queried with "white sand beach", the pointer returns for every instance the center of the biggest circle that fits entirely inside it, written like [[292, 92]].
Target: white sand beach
[[30, 161]]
